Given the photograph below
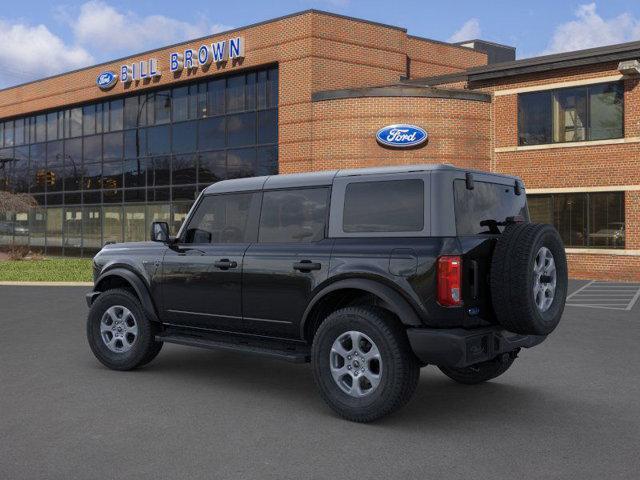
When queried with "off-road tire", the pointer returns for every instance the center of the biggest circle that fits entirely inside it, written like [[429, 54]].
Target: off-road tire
[[480, 372], [143, 350], [512, 279], [400, 369]]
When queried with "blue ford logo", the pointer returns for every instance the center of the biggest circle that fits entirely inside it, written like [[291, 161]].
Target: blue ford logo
[[106, 80], [401, 136]]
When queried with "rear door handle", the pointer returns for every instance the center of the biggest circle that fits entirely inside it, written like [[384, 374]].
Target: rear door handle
[[306, 266], [225, 264]]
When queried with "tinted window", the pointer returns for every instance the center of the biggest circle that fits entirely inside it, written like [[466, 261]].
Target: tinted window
[[224, 219], [294, 215], [486, 202], [390, 206]]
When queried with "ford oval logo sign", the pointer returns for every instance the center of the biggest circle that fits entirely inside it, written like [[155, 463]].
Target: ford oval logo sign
[[106, 80], [401, 136]]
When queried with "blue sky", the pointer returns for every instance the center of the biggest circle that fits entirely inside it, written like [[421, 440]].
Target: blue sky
[[42, 37]]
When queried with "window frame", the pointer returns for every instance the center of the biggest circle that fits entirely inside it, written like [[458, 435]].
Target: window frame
[[552, 93], [338, 195]]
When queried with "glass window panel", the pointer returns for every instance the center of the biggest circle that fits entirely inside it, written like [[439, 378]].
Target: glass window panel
[[184, 193], [158, 194], [571, 218], [235, 93], [6, 164], [294, 215], [94, 197], [201, 106], [273, 88], [241, 163], [534, 118], [250, 91], [267, 161], [135, 172], [73, 164], [72, 230], [55, 166], [54, 227], [112, 196], [268, 126], [193, 102], [212, 167], [570, 119], [147, 113], [89, 120], [223, 219], [215, 94], [21, 169], [606, 111], [135, 143], [37, 227], [21, 228], [241, 129], [159, 140], [135, 195], [72, 198], [112, 175], [184, 136], [131, 112], [180, 103], [41, 128], [1, 135], [541, 208], [112, 145], [54, 199], [116, 115], [37, 168], [19, 132], [102, 117], [161, 171], [92, 176], [157, 213], [606, 220], [211, 133], [8, 134], [184, 169], [134, 223], [92, 228], [92, 148], [389, 206], [112, 224], [75, 122], [178, 215], [162, 107], [6, 228], [52, 126]]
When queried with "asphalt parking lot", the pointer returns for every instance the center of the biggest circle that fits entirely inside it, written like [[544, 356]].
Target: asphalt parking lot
[[567, 409]]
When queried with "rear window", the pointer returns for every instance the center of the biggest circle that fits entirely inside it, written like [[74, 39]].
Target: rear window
[[486, 202], [385, 206]]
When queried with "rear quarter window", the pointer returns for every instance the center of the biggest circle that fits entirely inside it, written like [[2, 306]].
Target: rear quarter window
[[487, 201], [384, 206]]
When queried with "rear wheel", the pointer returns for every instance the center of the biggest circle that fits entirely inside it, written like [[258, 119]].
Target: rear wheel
[[363, 364], [119, 333], [480, 372]]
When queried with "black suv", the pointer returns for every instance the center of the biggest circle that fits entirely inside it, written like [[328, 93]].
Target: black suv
[[368, 274]]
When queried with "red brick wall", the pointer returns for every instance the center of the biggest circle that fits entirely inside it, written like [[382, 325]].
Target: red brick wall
[[429, 58], [604, 267]]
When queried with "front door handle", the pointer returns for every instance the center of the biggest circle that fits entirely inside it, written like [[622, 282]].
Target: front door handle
[[225, 264], [306, 266]]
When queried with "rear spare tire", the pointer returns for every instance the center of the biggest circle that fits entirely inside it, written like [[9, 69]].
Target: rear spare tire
[[529, 278]]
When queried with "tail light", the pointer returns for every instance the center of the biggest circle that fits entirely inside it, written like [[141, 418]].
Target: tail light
[[449, 281]]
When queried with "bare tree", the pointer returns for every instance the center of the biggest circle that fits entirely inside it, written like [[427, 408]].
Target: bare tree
[[16, 202]]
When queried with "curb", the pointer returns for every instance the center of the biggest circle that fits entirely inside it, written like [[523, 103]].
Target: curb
[[47, 284]]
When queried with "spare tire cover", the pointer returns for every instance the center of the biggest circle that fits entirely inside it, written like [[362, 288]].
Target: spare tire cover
[[528, 278]]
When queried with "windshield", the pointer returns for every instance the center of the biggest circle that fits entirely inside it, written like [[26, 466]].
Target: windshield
[[478, 210]]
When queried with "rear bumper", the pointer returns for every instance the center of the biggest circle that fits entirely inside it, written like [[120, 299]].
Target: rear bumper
[[457, 347]]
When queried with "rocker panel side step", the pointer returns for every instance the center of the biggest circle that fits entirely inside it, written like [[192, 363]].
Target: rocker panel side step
[[279, 350]]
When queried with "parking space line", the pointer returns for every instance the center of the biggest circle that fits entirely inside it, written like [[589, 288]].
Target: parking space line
[[634, 300], [612, 296], [581, 288]]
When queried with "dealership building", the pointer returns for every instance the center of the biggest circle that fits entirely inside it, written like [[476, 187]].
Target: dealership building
[[108, 149]]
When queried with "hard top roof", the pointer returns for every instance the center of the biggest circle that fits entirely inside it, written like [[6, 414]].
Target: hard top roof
[[324, 178]]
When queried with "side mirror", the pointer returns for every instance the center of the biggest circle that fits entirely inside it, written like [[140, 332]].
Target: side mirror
[[160, 232]]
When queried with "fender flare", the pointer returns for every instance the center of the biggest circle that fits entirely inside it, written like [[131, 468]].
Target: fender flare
[[396, 302], [138, 285]]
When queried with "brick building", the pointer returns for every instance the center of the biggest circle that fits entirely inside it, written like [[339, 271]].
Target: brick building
[[108, 149]]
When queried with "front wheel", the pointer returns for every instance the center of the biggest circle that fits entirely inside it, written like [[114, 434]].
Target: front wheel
[[363, 364], [119, 333]]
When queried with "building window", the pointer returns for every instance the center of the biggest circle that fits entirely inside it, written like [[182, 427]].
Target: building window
[[584, 220], [593, 112]]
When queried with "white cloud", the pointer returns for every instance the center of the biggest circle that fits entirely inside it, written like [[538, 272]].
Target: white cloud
[[469, 31], [589, 29], [28, 52], [104, 29]]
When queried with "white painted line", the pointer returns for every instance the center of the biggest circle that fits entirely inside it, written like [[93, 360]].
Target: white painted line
[[581, 288], [634, 300], [596, 306]]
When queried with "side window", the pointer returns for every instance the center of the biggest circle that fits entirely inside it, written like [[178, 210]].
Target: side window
[[294, 215], [384, 206], [227, 218]]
